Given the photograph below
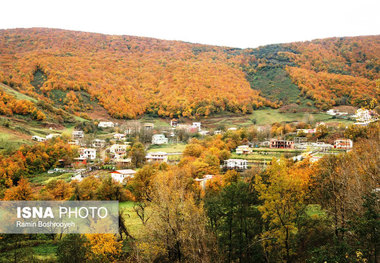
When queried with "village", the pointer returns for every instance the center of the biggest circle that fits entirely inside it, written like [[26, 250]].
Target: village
[[108, 152]]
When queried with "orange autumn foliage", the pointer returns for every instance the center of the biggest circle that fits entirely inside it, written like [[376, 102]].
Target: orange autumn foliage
[[337, 71], [129, 76], [23, 191], [9, 105]]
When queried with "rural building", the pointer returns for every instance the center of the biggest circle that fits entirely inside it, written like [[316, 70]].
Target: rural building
[[243, 149], [281, 144], [321, 146], [159, 139], [119, 150], [106, 124], [119, 136], [344, 144], [52, 135], [203, 181], [77, 135], [363, 115], [237, 164], [306, 131], [148, 126], [335, 112], [87, 153], [157, 157], [204, 133], [97, 143], [120, 175], [38, 138]]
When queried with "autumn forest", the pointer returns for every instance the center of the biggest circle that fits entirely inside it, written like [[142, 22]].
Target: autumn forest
[[132, 76], [209, 153]]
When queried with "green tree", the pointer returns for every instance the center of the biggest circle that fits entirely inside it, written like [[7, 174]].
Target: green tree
[[236, 221], [73, 248], [137, 154]]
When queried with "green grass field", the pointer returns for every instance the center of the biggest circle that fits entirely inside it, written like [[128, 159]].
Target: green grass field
[[45, 252], [169, 148], [266, 117], [269, 116], [133, 222], [158, 122], [44, 178], [31, 251], [16, 94], [10, 142]]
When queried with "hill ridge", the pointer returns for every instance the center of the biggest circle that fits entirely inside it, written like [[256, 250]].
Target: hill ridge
[[132, 76]]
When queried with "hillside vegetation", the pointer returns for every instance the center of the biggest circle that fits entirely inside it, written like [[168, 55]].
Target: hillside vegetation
[[133, 76]]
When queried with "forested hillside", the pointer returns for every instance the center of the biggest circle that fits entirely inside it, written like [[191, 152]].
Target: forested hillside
[[132, 76]]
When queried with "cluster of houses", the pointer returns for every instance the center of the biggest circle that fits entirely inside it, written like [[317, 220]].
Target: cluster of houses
[[42, 139], [116, 149], [342, 144], [363, 117]]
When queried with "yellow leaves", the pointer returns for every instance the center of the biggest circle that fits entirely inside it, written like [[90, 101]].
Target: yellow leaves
[[283, 195], [104, 245]]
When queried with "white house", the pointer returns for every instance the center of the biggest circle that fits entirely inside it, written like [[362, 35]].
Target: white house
[[106, 124], [119, 150], [203, 181], [344, 144], [157, 157], [97, 143], [232, 129], [120, 175], [306, 131], [335, 112], [159, 139], [238, 164], [87, 153], [331, 112], [243, 149], [119, 136], [77, 135], [203, 133], [38, 138], [52, 135], [321, 146], [362, 115]]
